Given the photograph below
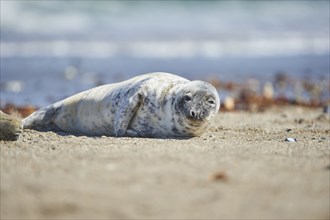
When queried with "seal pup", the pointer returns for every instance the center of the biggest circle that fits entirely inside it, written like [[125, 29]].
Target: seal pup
[[149, 105]]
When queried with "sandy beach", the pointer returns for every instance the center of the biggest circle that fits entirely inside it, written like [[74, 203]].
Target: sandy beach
[[266, 155], [242, 168]]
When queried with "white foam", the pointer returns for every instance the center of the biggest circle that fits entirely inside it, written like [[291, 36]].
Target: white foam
[[168, 49]]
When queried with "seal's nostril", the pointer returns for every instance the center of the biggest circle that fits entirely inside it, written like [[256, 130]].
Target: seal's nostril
[[192, 113]]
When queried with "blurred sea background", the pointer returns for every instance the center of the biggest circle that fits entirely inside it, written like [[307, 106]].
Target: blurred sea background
[[54, 49]]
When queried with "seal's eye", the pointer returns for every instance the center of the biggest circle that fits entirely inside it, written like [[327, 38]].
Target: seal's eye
[[187, 98], [211, 102]]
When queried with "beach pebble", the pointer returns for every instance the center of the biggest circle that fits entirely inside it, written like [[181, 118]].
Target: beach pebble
[[289, 139], [323, 117], [229, 103], [268, 90], [219, 176]]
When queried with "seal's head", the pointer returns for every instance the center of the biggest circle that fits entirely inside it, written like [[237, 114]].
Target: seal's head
[[198, 103]]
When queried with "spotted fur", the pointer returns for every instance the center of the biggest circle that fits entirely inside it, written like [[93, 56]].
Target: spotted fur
[[150, 105]]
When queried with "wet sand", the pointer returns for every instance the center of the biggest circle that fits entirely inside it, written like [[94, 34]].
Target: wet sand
[[241, 168]]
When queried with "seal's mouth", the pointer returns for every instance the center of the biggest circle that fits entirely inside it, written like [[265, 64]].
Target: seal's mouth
[[195, 122]]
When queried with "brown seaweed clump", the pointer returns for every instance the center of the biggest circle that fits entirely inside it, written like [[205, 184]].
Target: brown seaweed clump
[[10, 127]]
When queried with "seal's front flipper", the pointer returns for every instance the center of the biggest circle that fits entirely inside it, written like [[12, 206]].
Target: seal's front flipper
[[126, 114], [132, 133], [42, 119]]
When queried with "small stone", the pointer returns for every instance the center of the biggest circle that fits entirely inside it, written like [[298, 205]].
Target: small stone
[[268, 91], [229, 103], [219, 176], [291, 139], [322, 117], [288, 130], [299, 121]]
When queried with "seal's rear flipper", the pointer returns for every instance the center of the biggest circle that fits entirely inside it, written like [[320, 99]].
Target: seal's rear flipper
[[42, 119]]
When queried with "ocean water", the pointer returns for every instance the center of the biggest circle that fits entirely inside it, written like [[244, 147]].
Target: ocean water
[[53, 49]]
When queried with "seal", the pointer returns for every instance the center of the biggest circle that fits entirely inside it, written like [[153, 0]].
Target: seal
[[150, 105]]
